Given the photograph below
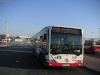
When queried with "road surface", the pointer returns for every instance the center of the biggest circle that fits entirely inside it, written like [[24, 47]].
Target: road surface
[[92, 61], [19, 60]]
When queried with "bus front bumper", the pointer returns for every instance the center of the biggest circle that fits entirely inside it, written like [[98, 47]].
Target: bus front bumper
[[55, 64]]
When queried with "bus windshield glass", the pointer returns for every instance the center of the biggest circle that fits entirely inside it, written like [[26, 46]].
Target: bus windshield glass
[[66, 44]]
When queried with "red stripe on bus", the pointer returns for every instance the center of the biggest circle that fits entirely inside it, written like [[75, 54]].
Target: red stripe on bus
[[54, 64], [93, 49]]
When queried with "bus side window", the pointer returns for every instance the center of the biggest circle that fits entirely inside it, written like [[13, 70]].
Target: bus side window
[[88, 43], [44, 43], [97, 42], [91, 43], [44, 37]]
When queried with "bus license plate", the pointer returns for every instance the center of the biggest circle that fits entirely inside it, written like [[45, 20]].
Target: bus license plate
[[66, 64]]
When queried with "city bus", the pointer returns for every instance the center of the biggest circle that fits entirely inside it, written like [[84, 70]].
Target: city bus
[[59, 46], [92, 45], [3, 41]]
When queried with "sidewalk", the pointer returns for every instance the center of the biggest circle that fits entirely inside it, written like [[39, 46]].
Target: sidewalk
[[92, 63]]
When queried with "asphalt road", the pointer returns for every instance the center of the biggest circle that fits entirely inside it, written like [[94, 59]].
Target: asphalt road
[[19, 60], [92, 62], [94, 55]]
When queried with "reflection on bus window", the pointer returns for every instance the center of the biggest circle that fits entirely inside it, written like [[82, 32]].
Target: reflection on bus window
[[62, 43]]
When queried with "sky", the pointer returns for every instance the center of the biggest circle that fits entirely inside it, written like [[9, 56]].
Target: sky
[[27, 17]]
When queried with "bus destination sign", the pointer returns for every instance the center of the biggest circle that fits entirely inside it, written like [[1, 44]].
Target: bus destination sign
[[65, 30]]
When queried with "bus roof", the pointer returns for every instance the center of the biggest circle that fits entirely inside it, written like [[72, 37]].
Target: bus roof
[[57, 26], [63, 26]]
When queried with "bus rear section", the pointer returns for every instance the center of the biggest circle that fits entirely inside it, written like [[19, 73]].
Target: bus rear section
[[92, 46]]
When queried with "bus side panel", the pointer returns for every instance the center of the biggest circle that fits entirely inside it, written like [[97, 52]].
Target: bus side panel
[[93, 49], [90, 50], [96, 49]]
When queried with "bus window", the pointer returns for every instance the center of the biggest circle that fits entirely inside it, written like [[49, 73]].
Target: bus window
[[44, 43], [97, 42], [88, 43], [37, 42], [45, 37], [65, 44]]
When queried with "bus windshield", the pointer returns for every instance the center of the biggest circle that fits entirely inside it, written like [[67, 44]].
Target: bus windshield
[[66, 44]]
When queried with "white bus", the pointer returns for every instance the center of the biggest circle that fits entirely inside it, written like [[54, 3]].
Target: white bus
[[3, 43], [92, 45], [59, 46], [3, 40]]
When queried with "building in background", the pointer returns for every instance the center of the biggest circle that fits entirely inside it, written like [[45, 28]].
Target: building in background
[[5, 37], [22, 39]]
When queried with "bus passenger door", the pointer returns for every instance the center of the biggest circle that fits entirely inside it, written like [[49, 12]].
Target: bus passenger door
[[44, 47]]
